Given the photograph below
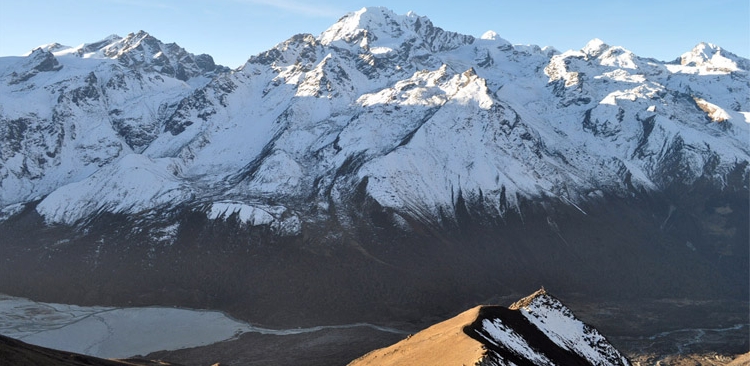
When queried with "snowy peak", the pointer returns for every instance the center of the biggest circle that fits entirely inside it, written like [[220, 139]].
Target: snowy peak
[[607, 55], [91, 50], [39, 60], [375, 27], [491, 35], [141, 42], [713, 58], [142, 50], [352, 25], [51, 47], [86, 50], [299, 49], [595, 47]]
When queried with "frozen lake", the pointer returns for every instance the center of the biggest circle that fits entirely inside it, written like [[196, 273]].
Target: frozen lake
[[113, 332], [110, 332]]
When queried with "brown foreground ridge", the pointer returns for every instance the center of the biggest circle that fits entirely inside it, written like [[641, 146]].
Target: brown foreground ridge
[[444, 341], [16, 353]]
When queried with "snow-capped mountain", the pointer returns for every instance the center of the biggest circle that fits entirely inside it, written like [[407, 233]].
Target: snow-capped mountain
[[416, 115], [536, 330], [69, 112], [389, 164], [142, 51]]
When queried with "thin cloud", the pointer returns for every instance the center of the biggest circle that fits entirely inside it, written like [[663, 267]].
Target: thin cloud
[[298, 7]]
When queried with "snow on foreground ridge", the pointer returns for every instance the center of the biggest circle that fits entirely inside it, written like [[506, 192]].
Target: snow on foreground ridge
[[559, 324], [499, 336]]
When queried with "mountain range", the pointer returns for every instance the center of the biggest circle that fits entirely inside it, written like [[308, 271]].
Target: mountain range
[[385, 169]]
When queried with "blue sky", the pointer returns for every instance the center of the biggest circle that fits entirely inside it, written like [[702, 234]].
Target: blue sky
[[233, 30]]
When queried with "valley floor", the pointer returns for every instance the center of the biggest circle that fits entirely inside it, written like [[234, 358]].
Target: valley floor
[[672, 332]]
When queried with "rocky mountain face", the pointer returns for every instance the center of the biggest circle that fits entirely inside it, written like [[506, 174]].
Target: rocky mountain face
[[536, 330], [385, 169]]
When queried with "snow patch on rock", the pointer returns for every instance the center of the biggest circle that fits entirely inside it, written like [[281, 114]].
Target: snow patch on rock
[[278, 217]]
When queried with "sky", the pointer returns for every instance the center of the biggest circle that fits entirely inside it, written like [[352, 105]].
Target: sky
[[233, 30]]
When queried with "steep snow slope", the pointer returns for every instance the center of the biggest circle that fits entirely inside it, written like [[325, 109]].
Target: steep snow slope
[[559, 324]]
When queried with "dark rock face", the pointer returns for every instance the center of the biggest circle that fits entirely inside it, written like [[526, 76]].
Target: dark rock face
[[45, 61], [38, 61]]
